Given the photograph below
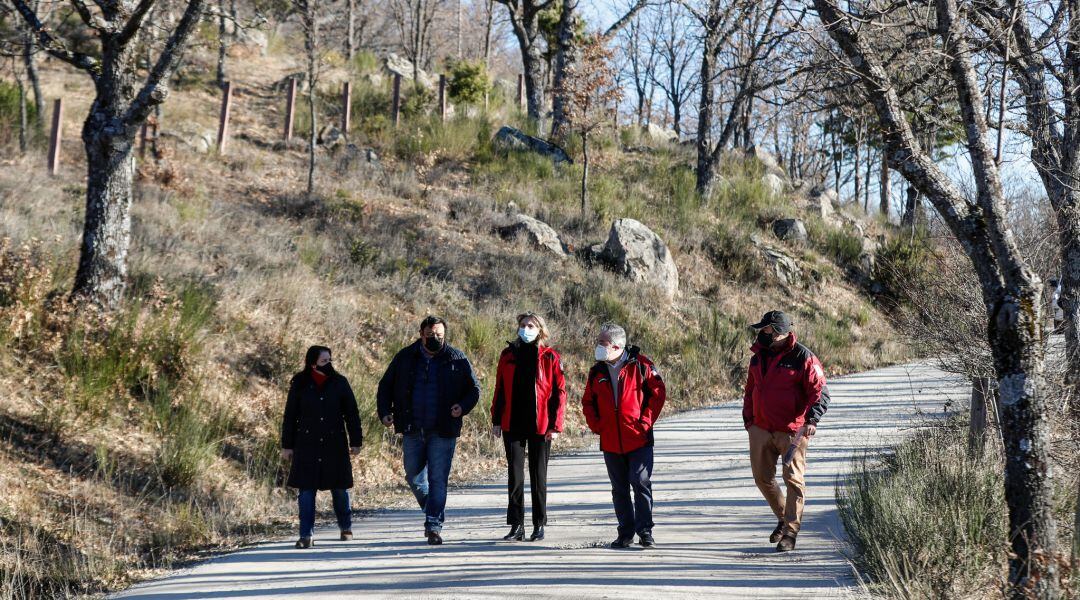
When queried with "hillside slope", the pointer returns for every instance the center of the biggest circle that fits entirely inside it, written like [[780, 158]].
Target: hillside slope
[[133, 439]]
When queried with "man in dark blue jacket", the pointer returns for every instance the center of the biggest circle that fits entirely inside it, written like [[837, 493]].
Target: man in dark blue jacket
[[427, 389]]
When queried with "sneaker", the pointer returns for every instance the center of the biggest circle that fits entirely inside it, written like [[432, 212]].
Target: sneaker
[[622, 542], [346, 536], [646, 540], [304, 543], [777, 533], [787, 543], [433, 538]]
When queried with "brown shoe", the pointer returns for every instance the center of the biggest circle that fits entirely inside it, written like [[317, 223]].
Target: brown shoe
[[787, 543], [303, 543], [346, 536], [777, 533]]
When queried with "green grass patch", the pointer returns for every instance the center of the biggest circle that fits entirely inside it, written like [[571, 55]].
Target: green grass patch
[[928, 521]]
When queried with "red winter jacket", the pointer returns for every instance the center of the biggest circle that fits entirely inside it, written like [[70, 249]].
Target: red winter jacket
[[626, 425], [550, 390], [788, 392]]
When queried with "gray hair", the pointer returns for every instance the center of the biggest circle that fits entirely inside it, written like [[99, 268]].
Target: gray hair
[[615, 332]]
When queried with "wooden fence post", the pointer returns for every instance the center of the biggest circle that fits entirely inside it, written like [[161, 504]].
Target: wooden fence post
[[346, 108], [290, 109], [223, 122], [56, 136], [980, 393], [521, 91], [396, 108], [442, 97]]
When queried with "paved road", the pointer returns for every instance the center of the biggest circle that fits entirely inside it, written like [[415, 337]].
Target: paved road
[[712, 525]]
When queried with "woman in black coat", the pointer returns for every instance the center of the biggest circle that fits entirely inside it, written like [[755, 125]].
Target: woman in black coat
[[319, 411]]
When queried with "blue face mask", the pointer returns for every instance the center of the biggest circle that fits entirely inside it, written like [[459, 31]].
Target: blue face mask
[[528, 335]]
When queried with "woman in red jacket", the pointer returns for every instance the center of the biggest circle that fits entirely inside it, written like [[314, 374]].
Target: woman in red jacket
[[527, 412]]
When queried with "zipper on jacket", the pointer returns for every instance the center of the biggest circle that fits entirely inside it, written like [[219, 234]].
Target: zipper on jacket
[[618, 426]]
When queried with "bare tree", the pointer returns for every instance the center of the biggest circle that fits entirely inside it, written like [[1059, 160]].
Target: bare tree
[[309, 12], [414, 20], [1040, 44], [751, 65], [223, 42], [29, 54], [641, 60], [489, 18], [524, 19], [122, 101], [592, 93], [1011, 291], [676, 52], [566, 55]]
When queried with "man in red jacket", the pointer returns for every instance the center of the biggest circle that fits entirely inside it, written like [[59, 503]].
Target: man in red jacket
[[622, 401], [785, 396]]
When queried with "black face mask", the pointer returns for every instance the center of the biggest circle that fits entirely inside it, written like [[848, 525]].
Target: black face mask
[[764, 339], [327, 369], [433, 344]]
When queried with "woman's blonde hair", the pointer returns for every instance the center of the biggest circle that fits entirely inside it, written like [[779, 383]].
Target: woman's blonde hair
[[544, 335]]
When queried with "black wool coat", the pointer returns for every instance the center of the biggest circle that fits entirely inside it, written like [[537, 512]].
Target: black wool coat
[[319, 427]]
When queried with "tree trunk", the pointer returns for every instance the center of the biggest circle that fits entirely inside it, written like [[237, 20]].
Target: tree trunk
[[534, 84], [29, 52], [108, 141], [23, 124], [1069, 238], [523, 20], [584, 172], [222, 45], [459, 25], [488, 19], [883, 206], [910, 206], [857, 163], [705, 171], [311, 39], [350, 35], [1015, 342], [869, 168], [565, 57]]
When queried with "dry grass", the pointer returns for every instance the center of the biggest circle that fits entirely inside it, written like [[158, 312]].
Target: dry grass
[[171, 447]]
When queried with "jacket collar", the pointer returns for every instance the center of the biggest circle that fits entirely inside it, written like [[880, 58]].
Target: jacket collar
[[418, 350], [788, 345]]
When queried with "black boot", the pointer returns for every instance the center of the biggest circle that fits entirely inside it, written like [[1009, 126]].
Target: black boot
[[777, 533], [517, 533], [537, 534]]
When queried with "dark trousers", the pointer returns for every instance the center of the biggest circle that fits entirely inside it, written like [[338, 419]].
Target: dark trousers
[[342, 510], [538, 449], [631, 471]]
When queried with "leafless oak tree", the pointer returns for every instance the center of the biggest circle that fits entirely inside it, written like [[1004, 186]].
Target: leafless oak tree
[[1011, 291], [123, 98]]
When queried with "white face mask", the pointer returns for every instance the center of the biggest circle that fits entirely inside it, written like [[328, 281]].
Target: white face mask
[[528, 334], [602, 352]]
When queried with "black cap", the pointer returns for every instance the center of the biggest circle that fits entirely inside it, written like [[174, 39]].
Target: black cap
[[780, 322]]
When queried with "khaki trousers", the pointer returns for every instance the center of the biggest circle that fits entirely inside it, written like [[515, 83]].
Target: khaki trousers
[[766, 447]]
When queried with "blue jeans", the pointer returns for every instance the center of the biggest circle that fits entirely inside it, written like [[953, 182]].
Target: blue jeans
[[342, 508], [632, 470], [427, 460]]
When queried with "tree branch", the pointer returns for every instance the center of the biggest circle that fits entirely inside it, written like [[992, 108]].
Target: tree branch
[[156, 88], [93, 22], [623, 20], [135, 21], [53, 46]]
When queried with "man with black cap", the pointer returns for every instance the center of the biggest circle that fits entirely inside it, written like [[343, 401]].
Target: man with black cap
[[785, 397]]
